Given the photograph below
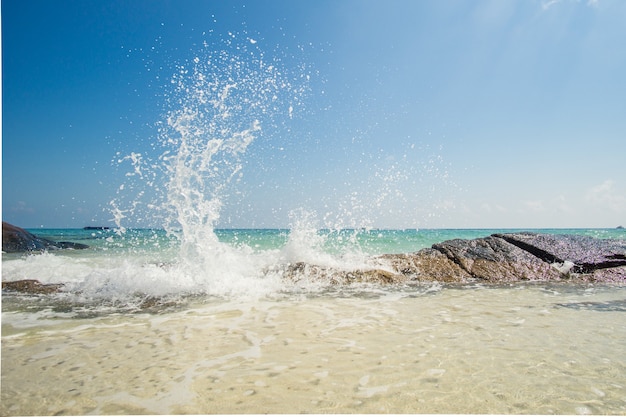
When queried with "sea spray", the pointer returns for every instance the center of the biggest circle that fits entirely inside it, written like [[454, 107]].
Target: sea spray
[[324, 246], [216, 104], [220, 102], [305, 243]]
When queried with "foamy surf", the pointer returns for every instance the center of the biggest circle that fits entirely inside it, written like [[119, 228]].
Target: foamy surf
[[139, 269]]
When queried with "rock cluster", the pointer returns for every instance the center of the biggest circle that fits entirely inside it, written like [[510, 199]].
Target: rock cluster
[[498, 258], [30, 286], [519, 257], [15, 239]]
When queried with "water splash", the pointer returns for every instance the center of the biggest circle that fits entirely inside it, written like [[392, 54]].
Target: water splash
[[219, 103]]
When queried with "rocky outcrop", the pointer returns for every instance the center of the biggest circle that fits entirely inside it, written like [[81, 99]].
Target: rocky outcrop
[[586, 253], [15, 239], [516, 257], [499, 258], [489, 259]]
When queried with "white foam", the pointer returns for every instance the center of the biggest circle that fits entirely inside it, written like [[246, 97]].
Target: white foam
[[564, 268]]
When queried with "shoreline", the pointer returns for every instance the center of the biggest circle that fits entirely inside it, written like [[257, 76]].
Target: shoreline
[[497, 258]]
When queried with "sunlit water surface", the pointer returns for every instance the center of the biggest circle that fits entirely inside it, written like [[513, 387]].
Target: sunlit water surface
[[538, 349]]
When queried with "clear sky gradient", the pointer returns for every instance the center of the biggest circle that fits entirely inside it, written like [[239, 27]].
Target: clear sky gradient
[[451, 114]]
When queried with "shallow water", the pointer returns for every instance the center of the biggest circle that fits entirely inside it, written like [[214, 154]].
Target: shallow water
[[521, 349]]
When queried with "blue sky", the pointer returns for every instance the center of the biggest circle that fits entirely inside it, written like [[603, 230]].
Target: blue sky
[[419, 114]]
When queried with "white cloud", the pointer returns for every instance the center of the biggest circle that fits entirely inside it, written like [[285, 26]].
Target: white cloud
[[606, 196], [22, 207], [496, 208], [546, 4], [534, 205], [562, 205]]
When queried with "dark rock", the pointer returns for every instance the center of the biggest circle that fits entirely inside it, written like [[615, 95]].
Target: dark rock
[[68, 245], [587, 253], [515, 257], [614, 305], [608, 275], [499, 258], [30, 286], [15, 239], [494, 259]]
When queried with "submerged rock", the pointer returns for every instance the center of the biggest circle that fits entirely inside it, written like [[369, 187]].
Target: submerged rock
[[15, 239], [608, 275], [30, 286]]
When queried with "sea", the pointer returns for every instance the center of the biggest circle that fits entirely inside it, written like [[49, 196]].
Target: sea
[[188, 318], [139, 329]]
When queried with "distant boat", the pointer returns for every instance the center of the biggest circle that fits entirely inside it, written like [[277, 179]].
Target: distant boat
[[96, 228]]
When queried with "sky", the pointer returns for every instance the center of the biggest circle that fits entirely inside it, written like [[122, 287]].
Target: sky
[[400, 114]]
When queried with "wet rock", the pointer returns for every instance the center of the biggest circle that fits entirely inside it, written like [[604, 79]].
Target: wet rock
[[156, 304], [15, 240], [607, 275], [301, 271], [30, 286], [68, 245]]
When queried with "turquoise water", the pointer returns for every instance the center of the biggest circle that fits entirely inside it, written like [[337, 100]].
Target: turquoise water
[[369, 241], [124, 268]]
